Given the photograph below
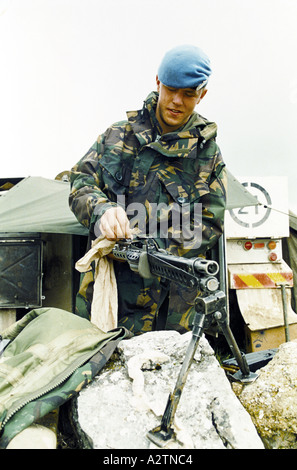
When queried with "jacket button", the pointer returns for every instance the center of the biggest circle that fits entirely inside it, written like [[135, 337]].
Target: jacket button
[[119, 176], [181, 199]]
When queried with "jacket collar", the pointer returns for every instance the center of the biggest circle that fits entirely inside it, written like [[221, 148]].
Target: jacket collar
[[147, 128]]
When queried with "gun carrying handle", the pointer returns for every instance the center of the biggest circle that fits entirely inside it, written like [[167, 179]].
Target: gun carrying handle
[[144, 269]]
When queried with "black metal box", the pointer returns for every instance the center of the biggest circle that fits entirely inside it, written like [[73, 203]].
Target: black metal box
[[20, 270]]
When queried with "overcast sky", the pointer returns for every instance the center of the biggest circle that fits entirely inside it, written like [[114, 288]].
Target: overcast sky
[[70, 68]]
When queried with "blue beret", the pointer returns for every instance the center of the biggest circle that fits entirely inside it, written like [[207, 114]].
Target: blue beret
[[185, 67]]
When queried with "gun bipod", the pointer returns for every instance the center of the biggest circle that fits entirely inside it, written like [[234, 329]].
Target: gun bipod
[[208, 309]]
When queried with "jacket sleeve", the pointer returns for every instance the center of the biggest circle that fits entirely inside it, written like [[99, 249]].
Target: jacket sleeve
[[86, 200]]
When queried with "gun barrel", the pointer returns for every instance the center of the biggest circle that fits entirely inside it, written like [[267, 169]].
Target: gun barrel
[[186, 271], [206, 266], [194, 265]]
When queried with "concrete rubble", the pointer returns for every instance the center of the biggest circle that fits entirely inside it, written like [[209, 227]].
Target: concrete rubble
[[271, 400], [129, 396]]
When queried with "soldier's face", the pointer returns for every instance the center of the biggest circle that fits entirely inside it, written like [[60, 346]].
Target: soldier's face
[[176, 105]]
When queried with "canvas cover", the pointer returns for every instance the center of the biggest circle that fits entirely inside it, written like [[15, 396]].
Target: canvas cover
[[37, 204]]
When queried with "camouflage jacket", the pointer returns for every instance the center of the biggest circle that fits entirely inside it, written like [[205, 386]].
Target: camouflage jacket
[[159, 173], [164, 178], [52, 355]]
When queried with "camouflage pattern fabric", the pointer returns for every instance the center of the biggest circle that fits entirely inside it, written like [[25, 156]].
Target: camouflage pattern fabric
[[53, 354], [179, 169]]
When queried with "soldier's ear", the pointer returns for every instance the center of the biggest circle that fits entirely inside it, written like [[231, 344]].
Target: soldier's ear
[[158, 83], [204, 91]]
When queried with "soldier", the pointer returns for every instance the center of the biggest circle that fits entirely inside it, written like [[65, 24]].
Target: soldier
[[164, 160]]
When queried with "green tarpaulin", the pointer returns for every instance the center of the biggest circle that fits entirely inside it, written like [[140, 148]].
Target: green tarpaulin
[[37, 204]]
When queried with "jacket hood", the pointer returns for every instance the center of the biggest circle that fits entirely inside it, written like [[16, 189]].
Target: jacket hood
[[196, 132]]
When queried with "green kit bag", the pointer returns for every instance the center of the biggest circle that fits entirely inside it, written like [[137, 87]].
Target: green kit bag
[[51, 356]]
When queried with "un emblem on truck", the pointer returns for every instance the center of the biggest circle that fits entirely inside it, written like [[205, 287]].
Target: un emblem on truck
[[253, 216]]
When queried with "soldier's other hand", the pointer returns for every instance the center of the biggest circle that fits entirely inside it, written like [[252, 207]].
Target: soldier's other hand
[[114, 224]]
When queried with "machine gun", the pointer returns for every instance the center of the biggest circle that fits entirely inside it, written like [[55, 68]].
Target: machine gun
[[148, 260]]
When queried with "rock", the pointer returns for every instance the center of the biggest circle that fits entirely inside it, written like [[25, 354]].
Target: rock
[[129, 396], [271, 400]]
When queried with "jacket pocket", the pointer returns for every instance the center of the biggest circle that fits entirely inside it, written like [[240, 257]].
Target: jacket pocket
[[184, 212], [115, 176], [182, 191]]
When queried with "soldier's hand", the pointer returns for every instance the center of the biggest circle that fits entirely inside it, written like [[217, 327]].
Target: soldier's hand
[[114, 224]]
